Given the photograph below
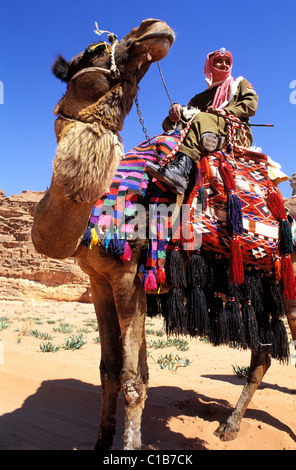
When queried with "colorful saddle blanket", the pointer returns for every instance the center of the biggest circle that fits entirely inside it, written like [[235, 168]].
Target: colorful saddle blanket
[[235, 225], [259, 233], [227, 207], [113, 222]]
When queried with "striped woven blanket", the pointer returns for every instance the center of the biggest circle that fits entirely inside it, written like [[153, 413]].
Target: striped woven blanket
[[114, 219]]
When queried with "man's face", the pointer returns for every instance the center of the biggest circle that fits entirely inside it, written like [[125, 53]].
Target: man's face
[[222, 63]]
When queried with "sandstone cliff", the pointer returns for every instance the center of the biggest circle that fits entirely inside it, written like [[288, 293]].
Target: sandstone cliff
[[25, 273]]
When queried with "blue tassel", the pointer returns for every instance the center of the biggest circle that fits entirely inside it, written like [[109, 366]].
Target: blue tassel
[[87, 237], [116, 245], [107, 240], [234, 213], [144, 277]]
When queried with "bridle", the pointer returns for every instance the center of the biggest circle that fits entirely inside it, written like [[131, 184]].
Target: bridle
[[114, 72]]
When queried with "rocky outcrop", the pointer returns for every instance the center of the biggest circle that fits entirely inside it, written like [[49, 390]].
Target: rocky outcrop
[[291, 202], [24, 273]]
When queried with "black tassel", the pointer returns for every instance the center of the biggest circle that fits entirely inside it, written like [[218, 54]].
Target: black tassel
[[175, 312], [196, 270], [277, 306], [153, 305], [286, 240], [175, 270], [265, 336], [280, 349], [218, 323], [253, 291], [235, 325], [250, 325], [197, 313]]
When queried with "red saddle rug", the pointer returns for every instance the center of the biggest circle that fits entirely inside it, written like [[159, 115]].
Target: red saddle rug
[[259, 237]]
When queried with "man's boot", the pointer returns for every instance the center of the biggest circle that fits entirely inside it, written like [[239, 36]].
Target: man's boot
[[176, 175]]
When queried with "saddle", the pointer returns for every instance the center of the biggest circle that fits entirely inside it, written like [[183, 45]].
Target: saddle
[[227, 265]]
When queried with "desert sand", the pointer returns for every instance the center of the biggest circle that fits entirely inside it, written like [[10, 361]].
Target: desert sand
[[51, 400]]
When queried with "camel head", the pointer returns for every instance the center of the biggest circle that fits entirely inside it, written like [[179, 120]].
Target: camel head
[[103, 80]]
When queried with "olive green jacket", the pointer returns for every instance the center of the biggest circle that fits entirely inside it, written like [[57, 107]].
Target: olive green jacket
[[243, 103]]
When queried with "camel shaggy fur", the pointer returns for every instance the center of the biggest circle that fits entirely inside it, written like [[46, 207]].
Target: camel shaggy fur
[[90, 115]]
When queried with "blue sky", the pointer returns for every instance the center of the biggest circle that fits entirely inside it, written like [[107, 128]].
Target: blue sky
[[260, 34]]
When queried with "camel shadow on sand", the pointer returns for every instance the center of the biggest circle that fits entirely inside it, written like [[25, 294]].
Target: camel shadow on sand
[[64, 415]]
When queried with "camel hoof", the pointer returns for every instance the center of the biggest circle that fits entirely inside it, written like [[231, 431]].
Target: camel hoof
[[226, 432]]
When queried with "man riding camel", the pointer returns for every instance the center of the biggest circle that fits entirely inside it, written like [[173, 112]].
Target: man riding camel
[[208, 131]]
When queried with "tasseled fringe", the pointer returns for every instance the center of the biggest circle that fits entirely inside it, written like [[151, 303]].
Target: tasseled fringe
[[154, 305], [116, 245], [287, 279], [175, 270], [275, 204], [197, 309], [265, 337], [198, 323], [275, 300], [150, 283], [250, 325], [196, 270], [161, 275], [127, 254], [87, 237], [280, 349], [286, 240], [202, 198], [107, 240], [234, 213], [227, 176], [236, 267], [235, 325], [175, 312], [234, 224], [218, 322]]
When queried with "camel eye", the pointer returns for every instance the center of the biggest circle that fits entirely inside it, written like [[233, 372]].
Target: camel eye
[[98, 48]]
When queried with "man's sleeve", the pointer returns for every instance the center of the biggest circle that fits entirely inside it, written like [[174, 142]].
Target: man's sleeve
[[244, 105]]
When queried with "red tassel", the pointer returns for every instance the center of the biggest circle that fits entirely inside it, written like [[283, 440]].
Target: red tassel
[[205, 169], [275, 205], [126, 256], [288, 279], [150, 282], [161, 276], [227, 177], [236, 268]]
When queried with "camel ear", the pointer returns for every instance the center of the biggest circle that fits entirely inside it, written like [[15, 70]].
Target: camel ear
[[60, 69]]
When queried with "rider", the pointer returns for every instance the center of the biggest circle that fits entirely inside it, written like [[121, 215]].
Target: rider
[[208, 130]]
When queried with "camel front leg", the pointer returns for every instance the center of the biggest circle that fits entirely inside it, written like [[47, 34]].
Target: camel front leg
[[111, 359], [260, 363], [130, 300]]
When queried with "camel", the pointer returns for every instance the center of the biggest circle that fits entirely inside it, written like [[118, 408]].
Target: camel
[[90, 115]]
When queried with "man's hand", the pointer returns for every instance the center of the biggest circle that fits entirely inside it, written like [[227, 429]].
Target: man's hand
[[175, 112]]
